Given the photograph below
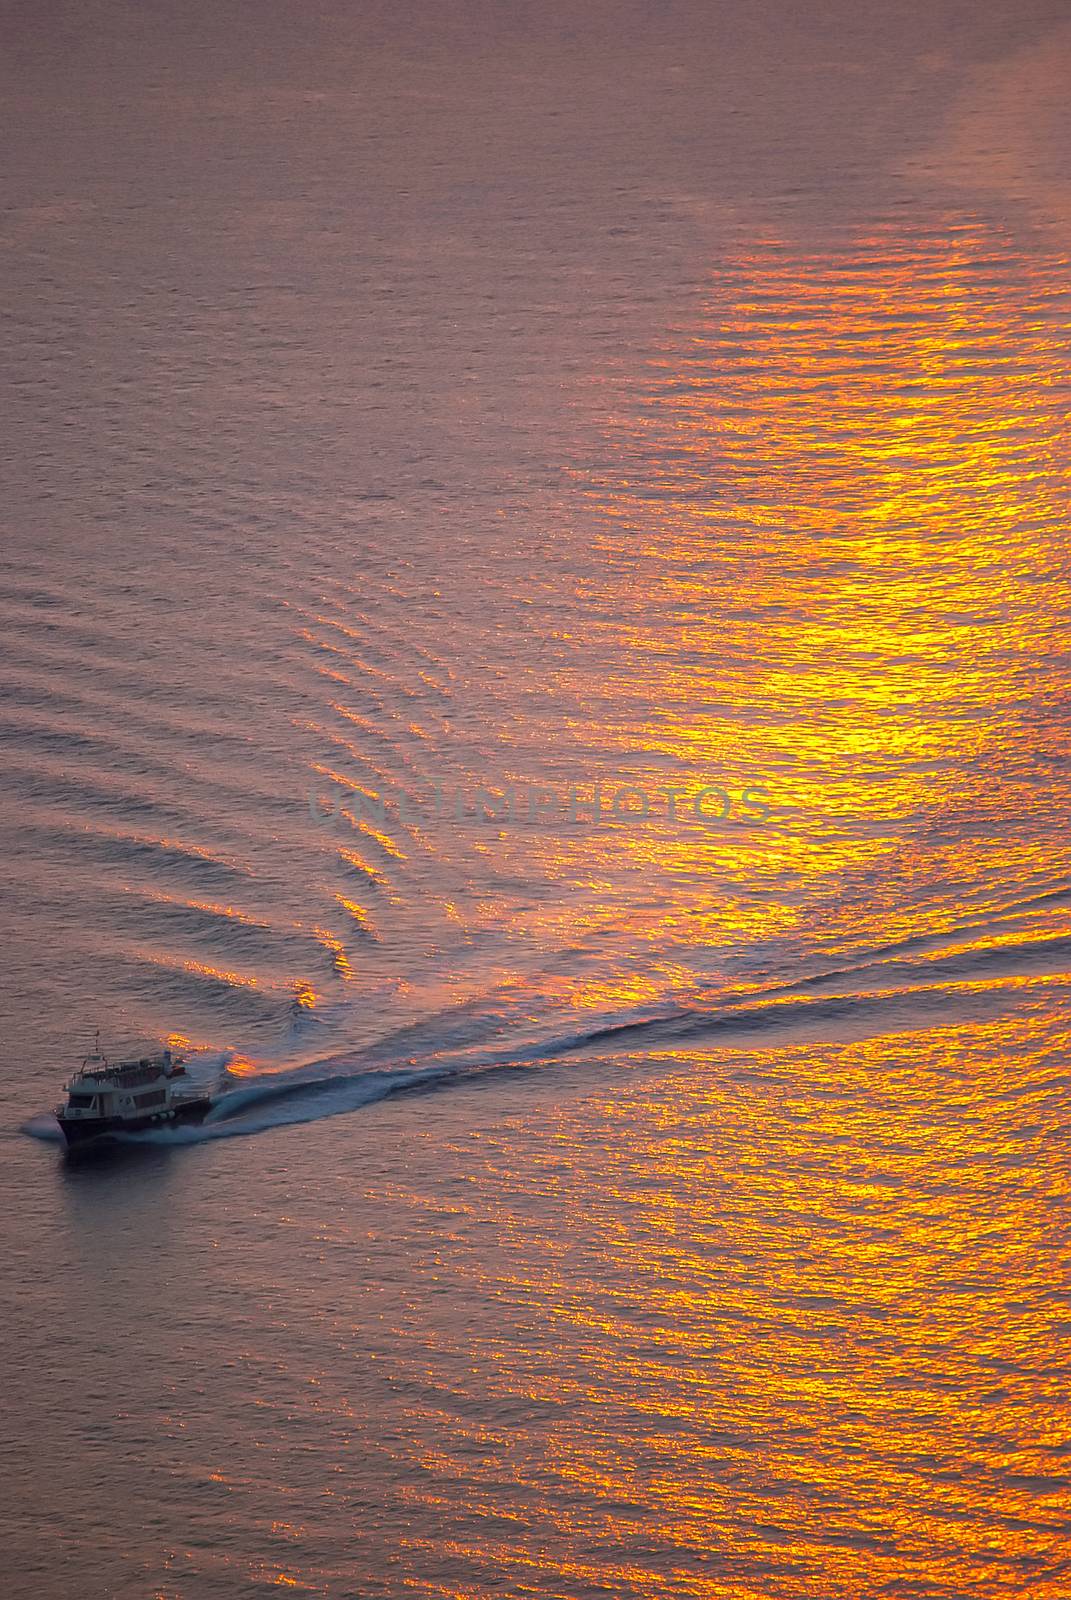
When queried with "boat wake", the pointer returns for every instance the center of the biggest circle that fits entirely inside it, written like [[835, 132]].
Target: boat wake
[[893, 990]]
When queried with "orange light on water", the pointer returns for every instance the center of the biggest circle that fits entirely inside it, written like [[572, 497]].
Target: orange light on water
[[853, 586]]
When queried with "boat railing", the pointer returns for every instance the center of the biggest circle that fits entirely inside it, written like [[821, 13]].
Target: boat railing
[[135, 1070]]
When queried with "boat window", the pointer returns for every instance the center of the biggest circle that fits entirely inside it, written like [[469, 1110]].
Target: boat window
[[155, 1097], [81, 1102]]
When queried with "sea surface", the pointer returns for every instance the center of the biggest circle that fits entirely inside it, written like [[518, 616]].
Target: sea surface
[[534, 640]]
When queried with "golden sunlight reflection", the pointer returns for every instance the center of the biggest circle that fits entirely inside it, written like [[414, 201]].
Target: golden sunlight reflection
[[804, 1281], [831, 569], [848, 487]]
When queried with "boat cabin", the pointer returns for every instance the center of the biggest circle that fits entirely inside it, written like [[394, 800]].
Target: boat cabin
[[122, 1089]]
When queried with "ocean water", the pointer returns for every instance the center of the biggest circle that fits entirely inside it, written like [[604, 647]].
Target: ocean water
[[534, 631]]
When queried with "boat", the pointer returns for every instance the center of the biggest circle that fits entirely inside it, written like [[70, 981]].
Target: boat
[[106, 1098]]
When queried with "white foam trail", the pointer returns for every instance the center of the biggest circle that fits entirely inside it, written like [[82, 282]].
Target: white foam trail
[[43, 1127]]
